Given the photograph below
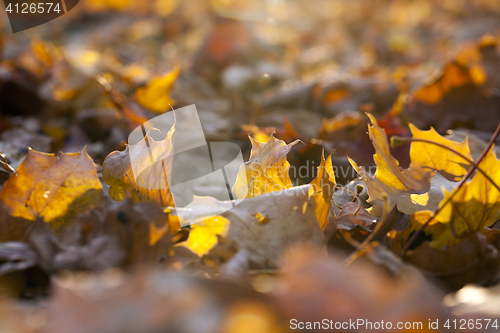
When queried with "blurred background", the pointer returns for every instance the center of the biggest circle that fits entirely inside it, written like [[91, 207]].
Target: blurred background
[[306, 70]]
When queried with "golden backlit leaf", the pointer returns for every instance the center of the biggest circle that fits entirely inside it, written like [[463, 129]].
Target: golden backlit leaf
[[259, 134], [341, 121], [52, 188], [322, 188], [392, 182], [203, 235], [156, 94], [267, 169], [439, 158], [415, 179], [474, 207], [454, 75], [149, 180], [335, 95]]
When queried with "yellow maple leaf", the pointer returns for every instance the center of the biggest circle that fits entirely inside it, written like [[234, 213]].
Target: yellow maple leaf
[[475, 206], [156, 94], [267, 169], [322, 188], [436, 157], [52, 188], [392, 182], [415, 179], [203, 235]]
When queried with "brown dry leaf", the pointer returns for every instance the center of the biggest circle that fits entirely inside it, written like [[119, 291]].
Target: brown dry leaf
[[352, 215], [150, 181], [267, 169], [52, 188], [351, 226], [115, 234], [472, 260], [155, 95], [322, 188], [131, 225]]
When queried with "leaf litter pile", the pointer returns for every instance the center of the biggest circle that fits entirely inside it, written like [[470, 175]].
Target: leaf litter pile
[[371, 187]]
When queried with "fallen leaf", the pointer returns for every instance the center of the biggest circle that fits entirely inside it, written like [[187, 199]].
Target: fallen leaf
[[414, 180], [203, 235], [290, 216], [52, 188], [436, 157], [151, 178], [344, 121], [467, 84], [155, 95], [454, 75], [322, 188], [352, 215], [116, 234], [472, 261], [267, 169], [413, 189], [475, 206]]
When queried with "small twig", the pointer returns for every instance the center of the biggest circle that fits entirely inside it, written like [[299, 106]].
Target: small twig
[[462, 182]]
